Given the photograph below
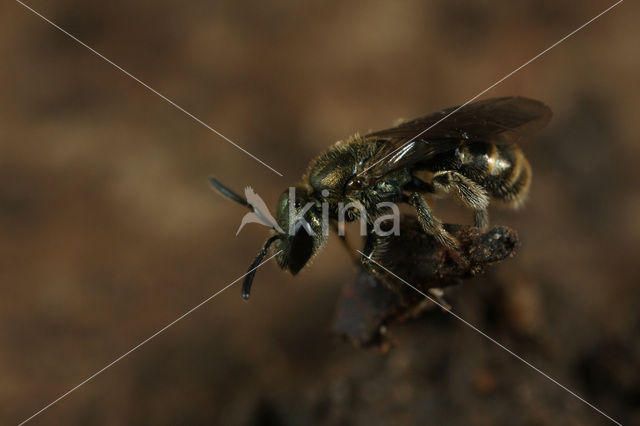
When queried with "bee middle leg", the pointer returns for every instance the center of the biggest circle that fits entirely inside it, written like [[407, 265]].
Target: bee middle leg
[[466, 191], [430, 224]]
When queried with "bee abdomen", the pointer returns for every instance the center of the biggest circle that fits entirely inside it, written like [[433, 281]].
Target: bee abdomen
[[510, 178], [501, 169]]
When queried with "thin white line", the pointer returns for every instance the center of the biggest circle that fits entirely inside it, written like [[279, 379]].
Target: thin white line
[[152, 89], [495, 84], [145, 341], [447, 309]]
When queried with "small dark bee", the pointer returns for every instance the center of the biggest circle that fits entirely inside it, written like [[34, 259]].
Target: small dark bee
[[471, 156]]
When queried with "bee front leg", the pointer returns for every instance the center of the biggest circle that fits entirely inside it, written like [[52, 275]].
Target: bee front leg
[[467, 192], [374, 246], [430, 224]]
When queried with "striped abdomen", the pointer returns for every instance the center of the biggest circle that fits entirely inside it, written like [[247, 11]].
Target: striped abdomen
[[502, 170]]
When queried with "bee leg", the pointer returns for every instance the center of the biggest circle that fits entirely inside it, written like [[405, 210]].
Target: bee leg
[[430, 224], [374, 245], [467, 192]]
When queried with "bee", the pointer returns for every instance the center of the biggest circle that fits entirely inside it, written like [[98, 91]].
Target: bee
[[471, 156]]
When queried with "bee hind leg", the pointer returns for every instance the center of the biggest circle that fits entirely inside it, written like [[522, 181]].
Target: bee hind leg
[[467, 192], [430, 224]]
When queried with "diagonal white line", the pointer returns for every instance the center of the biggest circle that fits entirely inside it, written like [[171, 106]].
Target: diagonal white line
[[278, 173], [144, 341], [145, 85], [447, 309], [494, 84]]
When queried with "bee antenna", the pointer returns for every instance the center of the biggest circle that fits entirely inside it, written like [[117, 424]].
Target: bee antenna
[[218, 186], [248, 280], [263, 214]]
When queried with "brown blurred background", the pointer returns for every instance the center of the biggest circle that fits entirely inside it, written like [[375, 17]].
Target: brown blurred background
[[109, 230]]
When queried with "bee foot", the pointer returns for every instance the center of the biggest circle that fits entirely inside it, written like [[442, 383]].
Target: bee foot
[[447, 240]]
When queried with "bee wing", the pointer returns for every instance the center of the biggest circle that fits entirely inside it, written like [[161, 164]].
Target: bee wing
[[498, 120], [502, 120]]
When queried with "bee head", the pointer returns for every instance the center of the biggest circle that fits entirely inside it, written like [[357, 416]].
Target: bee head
[[298, 233], [299, 215]]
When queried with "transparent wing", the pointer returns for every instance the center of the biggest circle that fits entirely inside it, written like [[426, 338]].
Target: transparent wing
[[498, 120]]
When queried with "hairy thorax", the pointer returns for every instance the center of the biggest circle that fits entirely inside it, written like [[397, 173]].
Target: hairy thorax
[[331, 172]]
